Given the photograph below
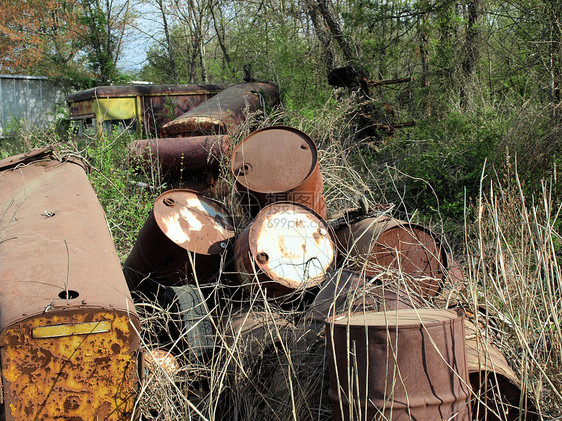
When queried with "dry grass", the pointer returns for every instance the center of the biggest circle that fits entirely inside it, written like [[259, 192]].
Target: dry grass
[[279, 372], [510, 259], [512, 262]]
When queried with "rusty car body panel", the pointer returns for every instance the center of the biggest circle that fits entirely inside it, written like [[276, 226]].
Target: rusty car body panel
[[145, 107], [225, 112], [68, 329], [399, 365]]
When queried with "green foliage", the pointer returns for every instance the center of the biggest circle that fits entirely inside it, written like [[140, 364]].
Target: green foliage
[[102, 40], [114, 179], [443, 161]]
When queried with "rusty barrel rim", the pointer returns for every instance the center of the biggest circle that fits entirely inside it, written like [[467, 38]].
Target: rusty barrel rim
[[423, 257], [401, 318], [346, 290], [193, 221], [253, 169]]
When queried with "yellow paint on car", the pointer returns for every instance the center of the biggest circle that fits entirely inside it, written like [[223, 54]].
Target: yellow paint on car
[[79, 376], [74, 329]]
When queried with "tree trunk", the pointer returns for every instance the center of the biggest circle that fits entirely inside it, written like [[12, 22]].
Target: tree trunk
[[171, 56], [321, 34], [204, 74], [335, 29], [471, 49], [220, 34], [424, 53], [555, 61]]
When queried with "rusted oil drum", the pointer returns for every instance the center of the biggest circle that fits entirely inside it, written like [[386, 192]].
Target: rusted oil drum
[[225, 112], [399, 365], [68, 328], [345, 290], [492, 380], [278, 164], [175, 157], [288, 248], [181, 222], [378, 245]]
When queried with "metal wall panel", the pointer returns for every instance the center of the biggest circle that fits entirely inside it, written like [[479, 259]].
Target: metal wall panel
[[29, 100]]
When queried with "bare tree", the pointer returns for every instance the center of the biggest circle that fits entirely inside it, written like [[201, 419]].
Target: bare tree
[[321, 32], [471, 48]]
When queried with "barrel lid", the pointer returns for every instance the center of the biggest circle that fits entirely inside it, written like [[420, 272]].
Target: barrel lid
[[274, 159], [193, 221], [403, 318], [292, 245]]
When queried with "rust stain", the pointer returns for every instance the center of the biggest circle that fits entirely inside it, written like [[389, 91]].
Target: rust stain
[[77, 375], [67, 345], [279, 245]]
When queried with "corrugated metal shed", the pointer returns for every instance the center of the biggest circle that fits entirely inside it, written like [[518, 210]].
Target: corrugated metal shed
[[28, 99]]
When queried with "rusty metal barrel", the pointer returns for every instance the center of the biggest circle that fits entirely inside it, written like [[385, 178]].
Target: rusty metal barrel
[[345, 290], [381, 245], [183, 239], [68, 328], [224, 112], [182, 155], [278, 164], [399, 365], [288, 248]]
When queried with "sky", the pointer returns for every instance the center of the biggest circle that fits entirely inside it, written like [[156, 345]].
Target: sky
[[139, 39]]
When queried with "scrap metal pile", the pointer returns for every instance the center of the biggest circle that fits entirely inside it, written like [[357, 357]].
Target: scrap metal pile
[[398, 342], [383, 292]]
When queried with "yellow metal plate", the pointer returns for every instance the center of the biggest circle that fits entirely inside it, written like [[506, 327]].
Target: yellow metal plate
[[74, 377], [72, 329]]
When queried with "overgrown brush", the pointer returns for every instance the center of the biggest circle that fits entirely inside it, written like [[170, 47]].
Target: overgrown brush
[[511, 246], [513, 266]]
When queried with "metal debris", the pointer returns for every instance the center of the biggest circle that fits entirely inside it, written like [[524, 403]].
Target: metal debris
[[68, 328], [143, 108], [224, 113], [180, 156]]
